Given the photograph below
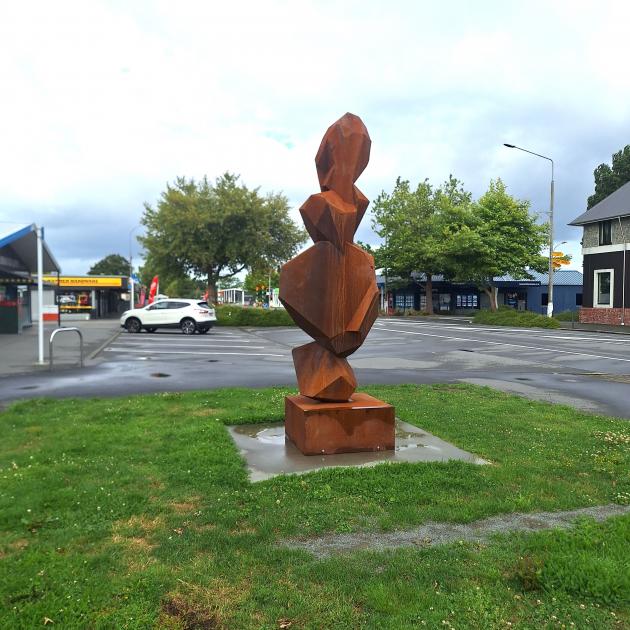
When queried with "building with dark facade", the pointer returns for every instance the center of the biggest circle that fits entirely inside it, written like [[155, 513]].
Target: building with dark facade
[[455, 298], [606, 233]]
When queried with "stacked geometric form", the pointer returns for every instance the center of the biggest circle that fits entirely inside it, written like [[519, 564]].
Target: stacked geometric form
[[330, 289]]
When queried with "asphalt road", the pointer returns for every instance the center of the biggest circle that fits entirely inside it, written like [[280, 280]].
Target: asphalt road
[[590, 371]]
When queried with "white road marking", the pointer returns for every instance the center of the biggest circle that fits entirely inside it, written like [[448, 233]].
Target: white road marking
[[529, 332], [186, 345], [512, 345], [240, 354]]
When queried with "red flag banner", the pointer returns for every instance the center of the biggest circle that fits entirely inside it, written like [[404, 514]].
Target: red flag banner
[[153, 290]]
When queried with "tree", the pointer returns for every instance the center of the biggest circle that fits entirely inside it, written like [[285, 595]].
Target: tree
[[257, 281], [502, 239], [418, 228], [112, 265], [215, 231], [608, 179]]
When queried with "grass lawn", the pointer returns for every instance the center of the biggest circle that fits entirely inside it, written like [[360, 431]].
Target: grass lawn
[[137, 513]]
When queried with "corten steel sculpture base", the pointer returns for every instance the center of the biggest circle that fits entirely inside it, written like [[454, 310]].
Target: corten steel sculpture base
[[330, 292]]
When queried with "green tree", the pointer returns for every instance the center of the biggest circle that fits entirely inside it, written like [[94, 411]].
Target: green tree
[[608, 179], [503, 238], [257, 281], [418, 227], [112, 265], [215, 231]]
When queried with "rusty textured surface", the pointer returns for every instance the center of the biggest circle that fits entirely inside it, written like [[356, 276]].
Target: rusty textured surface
[[330, 289], [362, 424], [330, 292]]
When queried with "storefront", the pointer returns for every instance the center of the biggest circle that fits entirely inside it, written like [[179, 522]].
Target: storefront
[[86, 297], [18, 263]]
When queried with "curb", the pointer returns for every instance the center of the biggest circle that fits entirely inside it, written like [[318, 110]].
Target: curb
[[98, 350]]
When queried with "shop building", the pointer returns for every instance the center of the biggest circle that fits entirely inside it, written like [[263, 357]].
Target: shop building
[[84, 297], [456, 298], [18, 266]]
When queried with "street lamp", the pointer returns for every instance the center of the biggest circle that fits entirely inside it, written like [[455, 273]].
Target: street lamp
[[131, 282], [550, 290]]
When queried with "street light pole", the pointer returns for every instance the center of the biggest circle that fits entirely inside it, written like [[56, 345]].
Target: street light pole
[[551, 198], [131, 282]]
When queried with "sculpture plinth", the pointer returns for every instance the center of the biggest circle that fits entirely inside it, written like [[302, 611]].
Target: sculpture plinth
[[319, 428], [330, 292]]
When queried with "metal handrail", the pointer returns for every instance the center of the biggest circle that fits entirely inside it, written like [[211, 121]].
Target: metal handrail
[[50, 343]]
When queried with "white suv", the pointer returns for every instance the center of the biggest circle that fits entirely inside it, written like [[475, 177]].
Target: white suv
[[188, 315]]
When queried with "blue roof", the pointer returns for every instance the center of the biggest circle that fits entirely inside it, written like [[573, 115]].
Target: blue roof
[[22, 244], [566, 277]]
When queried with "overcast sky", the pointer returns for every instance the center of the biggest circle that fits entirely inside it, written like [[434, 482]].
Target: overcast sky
[[102, 103]]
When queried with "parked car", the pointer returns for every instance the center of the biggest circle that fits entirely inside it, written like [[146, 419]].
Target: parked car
[[188, 315]]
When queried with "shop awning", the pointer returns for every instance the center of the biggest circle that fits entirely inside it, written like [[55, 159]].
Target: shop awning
[[18, 250]]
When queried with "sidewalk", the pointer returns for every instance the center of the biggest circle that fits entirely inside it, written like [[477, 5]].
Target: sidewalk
[[18, 353]]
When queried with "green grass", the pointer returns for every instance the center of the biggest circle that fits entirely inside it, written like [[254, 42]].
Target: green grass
[[137, 513], [230, 315], [567, 316], [507, 316]]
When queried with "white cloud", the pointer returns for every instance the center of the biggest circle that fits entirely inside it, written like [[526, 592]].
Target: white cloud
[[103, 102]]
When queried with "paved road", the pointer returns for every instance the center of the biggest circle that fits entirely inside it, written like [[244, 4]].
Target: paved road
[[588, 370]]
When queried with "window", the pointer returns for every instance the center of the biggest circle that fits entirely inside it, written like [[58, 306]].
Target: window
[[603, 288], [544, 299], [466, 301], [578, 299], [404, 300], [158, 306], [605, 232], [176, 305]]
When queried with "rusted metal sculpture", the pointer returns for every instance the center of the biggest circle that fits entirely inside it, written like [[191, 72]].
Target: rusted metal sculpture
[[330, 292]]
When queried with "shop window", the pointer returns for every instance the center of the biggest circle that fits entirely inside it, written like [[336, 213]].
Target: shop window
[[578, 299], [605, 232], [404, 301], [603, 288], [466, 301]]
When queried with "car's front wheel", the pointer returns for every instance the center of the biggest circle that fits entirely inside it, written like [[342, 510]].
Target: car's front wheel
[[133, 325], [188, 326]]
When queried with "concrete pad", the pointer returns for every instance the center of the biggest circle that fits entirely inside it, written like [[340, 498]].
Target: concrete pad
[[268, 454]]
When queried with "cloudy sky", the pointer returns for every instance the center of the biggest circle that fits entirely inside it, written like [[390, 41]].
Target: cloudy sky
[[102, 103]]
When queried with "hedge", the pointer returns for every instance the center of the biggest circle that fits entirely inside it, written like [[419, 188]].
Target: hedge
[[230, 315], [507, 316]]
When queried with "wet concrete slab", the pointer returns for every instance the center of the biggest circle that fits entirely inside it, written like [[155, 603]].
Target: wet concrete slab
[[268, 453]]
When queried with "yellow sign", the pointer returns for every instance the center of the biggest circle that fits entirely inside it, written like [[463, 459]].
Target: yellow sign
[[85, 281]]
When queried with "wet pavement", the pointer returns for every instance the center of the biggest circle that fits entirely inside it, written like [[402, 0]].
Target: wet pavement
[[268, 453], [590, 371]]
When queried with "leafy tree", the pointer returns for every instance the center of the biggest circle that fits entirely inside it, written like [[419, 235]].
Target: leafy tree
[[257, 281], [112, 265], [215, 231], [608, 179], [502, 239], [418, 228]]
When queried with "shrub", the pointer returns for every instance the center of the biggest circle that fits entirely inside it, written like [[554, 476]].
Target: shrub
[[231, 315], [566, 316], [507, 316]]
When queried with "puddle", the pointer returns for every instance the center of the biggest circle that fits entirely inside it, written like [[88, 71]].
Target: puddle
[[268, 453]]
